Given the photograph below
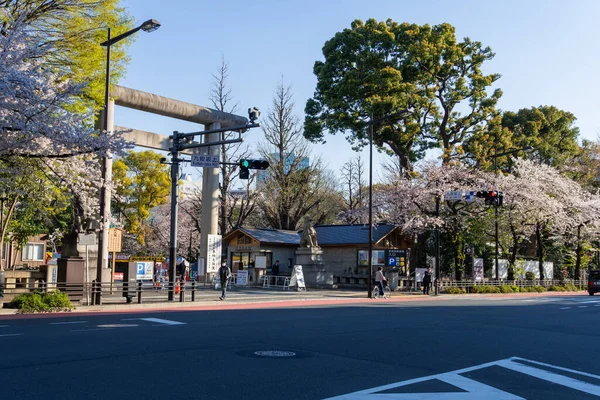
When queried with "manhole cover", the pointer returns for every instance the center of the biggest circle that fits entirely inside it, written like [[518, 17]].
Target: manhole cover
[[274, 353]]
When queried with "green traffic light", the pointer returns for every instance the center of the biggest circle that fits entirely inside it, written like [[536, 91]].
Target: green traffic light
[[245, 163]]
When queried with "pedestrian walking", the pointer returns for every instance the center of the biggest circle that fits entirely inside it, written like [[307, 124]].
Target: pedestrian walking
[[381, 281], [224, 275], [427, 281]]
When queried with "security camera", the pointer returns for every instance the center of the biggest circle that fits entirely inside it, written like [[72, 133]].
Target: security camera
[[253, 114]]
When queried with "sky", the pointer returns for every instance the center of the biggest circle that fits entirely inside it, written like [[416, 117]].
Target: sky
[[546, 52]]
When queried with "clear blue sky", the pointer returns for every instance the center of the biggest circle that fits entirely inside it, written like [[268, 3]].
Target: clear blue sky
[[546, 51]]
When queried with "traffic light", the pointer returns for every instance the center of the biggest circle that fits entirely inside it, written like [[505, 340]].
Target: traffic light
[[491, 197], [246, 165], [254, 164], [494, 198]]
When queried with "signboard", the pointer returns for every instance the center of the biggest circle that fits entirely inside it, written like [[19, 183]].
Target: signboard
[[118, 276], [419, 274], [377, 257], [205, 160], [115, 240], [86, 239], [260, 262], [453, 195], [213, 255], [144, 270], [396, 258], [147, 258], [298, 278], [242, 278]]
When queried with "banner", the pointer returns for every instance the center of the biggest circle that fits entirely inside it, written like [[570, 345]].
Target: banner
[[213, 255]]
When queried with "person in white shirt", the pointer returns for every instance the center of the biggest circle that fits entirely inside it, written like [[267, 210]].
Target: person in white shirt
[[381, 281]]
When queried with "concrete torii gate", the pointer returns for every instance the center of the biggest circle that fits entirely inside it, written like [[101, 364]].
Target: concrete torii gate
[[155, 104]]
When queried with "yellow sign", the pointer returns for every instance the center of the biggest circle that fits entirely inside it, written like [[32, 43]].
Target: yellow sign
[[147, 258], [115, 240]]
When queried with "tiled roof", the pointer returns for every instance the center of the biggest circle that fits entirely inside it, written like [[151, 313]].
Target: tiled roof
[[273, 235], [326, 234], [350, 234]]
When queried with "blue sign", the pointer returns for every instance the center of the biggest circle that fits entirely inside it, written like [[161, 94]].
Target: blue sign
[[392, 261], [141, 268]]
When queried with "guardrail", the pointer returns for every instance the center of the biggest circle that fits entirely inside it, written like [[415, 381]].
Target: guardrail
[[517, 282], [267, 281]]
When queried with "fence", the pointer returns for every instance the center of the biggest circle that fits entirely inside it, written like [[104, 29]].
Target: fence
[[444, 284]]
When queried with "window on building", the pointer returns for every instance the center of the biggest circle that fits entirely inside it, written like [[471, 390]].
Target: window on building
[[33, 252]]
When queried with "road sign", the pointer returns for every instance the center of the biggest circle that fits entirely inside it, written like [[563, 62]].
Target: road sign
[[453, 195], [205, 160]]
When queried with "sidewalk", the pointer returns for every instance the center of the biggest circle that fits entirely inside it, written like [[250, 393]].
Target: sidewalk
[[248, 298]]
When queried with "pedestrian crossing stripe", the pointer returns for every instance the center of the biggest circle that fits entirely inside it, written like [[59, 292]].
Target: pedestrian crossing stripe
[[474, 390]]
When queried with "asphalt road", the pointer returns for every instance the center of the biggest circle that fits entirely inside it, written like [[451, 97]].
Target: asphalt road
[[468, 348]]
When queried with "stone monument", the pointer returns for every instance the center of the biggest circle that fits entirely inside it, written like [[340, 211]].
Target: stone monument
[[310, 256]]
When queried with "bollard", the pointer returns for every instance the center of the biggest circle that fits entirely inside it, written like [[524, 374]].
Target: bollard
[[182, 291], [193, 290], [139, 292]]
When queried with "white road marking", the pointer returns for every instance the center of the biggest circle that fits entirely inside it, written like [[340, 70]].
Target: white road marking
[[589, 302], [118, 325], [12, 334], [581, 306], [554, 377], [565, 308], [68, 323], [91, 329], [3, 326], [157, 320], [477, 390]]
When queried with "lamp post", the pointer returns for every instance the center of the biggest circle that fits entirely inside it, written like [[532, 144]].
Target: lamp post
[[400, 114], [106, 163], [496, 155]]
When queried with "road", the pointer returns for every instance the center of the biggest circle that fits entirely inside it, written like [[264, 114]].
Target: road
[[449, 348]]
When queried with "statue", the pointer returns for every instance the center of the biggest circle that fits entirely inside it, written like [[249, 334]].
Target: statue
[[309, 235]]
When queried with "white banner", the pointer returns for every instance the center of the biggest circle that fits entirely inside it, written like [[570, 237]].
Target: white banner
[[420, 273], [213, 253]]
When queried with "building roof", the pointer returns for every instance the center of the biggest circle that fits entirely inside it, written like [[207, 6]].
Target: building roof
[[273, 235], [350, 234]]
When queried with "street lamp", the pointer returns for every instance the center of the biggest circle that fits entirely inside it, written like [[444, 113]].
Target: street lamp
[[399, 115], [496, 155], [149, 26]]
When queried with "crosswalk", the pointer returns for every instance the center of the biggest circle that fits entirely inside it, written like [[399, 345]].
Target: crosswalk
[[563, 303], [513, 378]]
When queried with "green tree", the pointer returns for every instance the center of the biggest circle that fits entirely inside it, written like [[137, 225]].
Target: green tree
[[376, 69], [76, 28], [141, 183]]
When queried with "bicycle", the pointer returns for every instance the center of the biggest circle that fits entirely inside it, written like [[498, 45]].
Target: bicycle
[[387, 292]]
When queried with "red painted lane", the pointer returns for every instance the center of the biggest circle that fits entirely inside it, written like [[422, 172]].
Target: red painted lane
[[225, 305]]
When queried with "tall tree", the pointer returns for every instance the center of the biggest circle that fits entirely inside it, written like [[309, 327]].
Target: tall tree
[[290, 188], [375, 69], [141, 183]]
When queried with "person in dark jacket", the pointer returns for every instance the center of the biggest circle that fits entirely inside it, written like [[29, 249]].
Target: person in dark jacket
[[224, 275], [427, 281]]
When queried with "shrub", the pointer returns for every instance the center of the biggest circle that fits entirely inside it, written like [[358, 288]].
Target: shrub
[[571, 288], [42, 302], [556, 288], [485, 289], [509, 289], [529, 276], [455, 290]]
